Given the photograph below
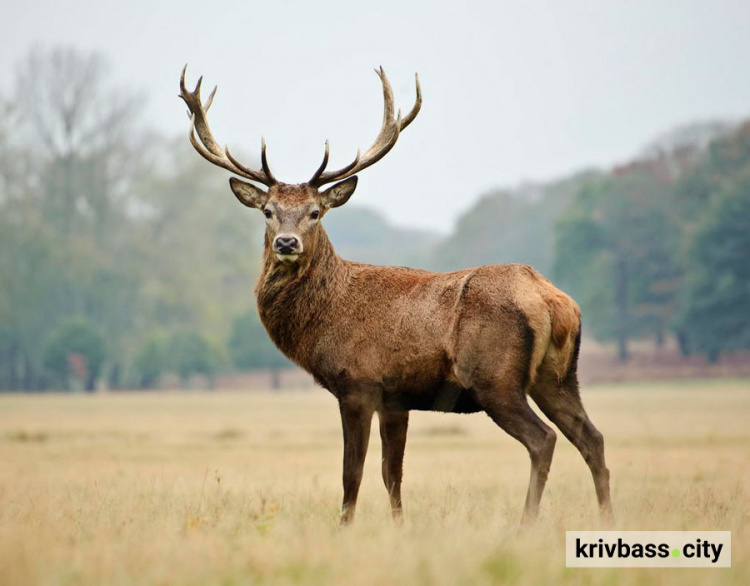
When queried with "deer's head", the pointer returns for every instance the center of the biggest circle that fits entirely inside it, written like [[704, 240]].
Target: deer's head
[[293, 212]]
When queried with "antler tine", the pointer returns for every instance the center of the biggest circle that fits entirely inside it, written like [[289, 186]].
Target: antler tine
[[387, 96], [207, 147], [210, 99], [264, 160], [416, 108], [322, 167], [244, 171], [387, 137]]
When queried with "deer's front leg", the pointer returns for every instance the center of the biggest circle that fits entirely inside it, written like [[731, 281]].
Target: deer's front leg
[[356, 417], [393, 426]]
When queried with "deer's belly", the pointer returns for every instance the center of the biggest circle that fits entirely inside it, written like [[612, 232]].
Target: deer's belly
[[447, 398]]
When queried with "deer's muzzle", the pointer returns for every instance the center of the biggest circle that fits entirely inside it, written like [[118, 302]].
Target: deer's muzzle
[[287, 245]]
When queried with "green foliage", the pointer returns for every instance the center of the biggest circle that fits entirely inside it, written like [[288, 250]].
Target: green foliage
[[579, 240], [250, 347], [76, 348], [614, 250], [190, 353], [713, 215], [151, 362], [717, 316]]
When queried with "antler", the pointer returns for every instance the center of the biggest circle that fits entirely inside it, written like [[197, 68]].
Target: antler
[[210, 149], [387, 137]]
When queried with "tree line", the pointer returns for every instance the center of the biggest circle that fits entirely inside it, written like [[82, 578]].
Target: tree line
[[122, 258], [115, 260]]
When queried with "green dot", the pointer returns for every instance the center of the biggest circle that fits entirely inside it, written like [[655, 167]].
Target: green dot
[[676, 553]]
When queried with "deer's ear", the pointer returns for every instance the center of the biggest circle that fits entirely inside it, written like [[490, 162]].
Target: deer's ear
[[337, 195], [248, 194]]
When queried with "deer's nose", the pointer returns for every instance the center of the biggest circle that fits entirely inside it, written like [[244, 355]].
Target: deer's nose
[[286, 245]]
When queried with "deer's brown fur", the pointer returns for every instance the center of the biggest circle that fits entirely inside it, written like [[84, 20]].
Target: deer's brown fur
[[394, 339], [406, 328]]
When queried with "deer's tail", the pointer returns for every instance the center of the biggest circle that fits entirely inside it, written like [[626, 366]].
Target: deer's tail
[[565, 336]]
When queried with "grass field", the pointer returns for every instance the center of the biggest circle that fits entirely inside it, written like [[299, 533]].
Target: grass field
[[231, 488]]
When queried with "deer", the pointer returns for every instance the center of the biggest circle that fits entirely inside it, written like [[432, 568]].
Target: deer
[[389, 340]]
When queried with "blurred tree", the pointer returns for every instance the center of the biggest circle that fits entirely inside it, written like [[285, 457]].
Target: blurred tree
[[717, 317], [251, 348], [86, 142], [76, 348], [204, 246], [67, 152], [614, 256], [726, 158], [151, 362], [191, 353], [715, 210]]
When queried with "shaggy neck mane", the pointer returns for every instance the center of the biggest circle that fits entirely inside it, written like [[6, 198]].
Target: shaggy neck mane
[[294, 297]]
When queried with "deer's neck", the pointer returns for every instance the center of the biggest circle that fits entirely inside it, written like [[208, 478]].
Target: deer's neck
[[293, 298]]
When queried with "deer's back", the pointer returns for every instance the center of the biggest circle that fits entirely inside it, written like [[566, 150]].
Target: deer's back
[[410, 331]]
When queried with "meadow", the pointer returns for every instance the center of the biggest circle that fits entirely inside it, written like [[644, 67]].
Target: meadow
[[238, 488]]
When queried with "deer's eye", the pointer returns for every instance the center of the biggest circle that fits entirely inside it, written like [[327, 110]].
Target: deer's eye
[[267, 213], [315, 214]]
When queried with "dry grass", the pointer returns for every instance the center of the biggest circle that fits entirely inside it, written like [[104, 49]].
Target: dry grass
[[243, 489]]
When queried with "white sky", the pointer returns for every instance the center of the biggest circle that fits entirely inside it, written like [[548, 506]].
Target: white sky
[[513, 91]]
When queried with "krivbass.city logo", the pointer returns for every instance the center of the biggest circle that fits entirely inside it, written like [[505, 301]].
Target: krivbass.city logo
[[648, 549]]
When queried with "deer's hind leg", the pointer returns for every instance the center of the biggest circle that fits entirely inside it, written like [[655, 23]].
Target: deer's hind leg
[[500, 383], [513, 414], [561, 402]]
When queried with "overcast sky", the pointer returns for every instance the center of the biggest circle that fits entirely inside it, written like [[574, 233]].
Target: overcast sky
[[513, 91]]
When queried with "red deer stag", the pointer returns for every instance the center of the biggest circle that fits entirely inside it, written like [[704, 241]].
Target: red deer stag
[[393, 339]]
